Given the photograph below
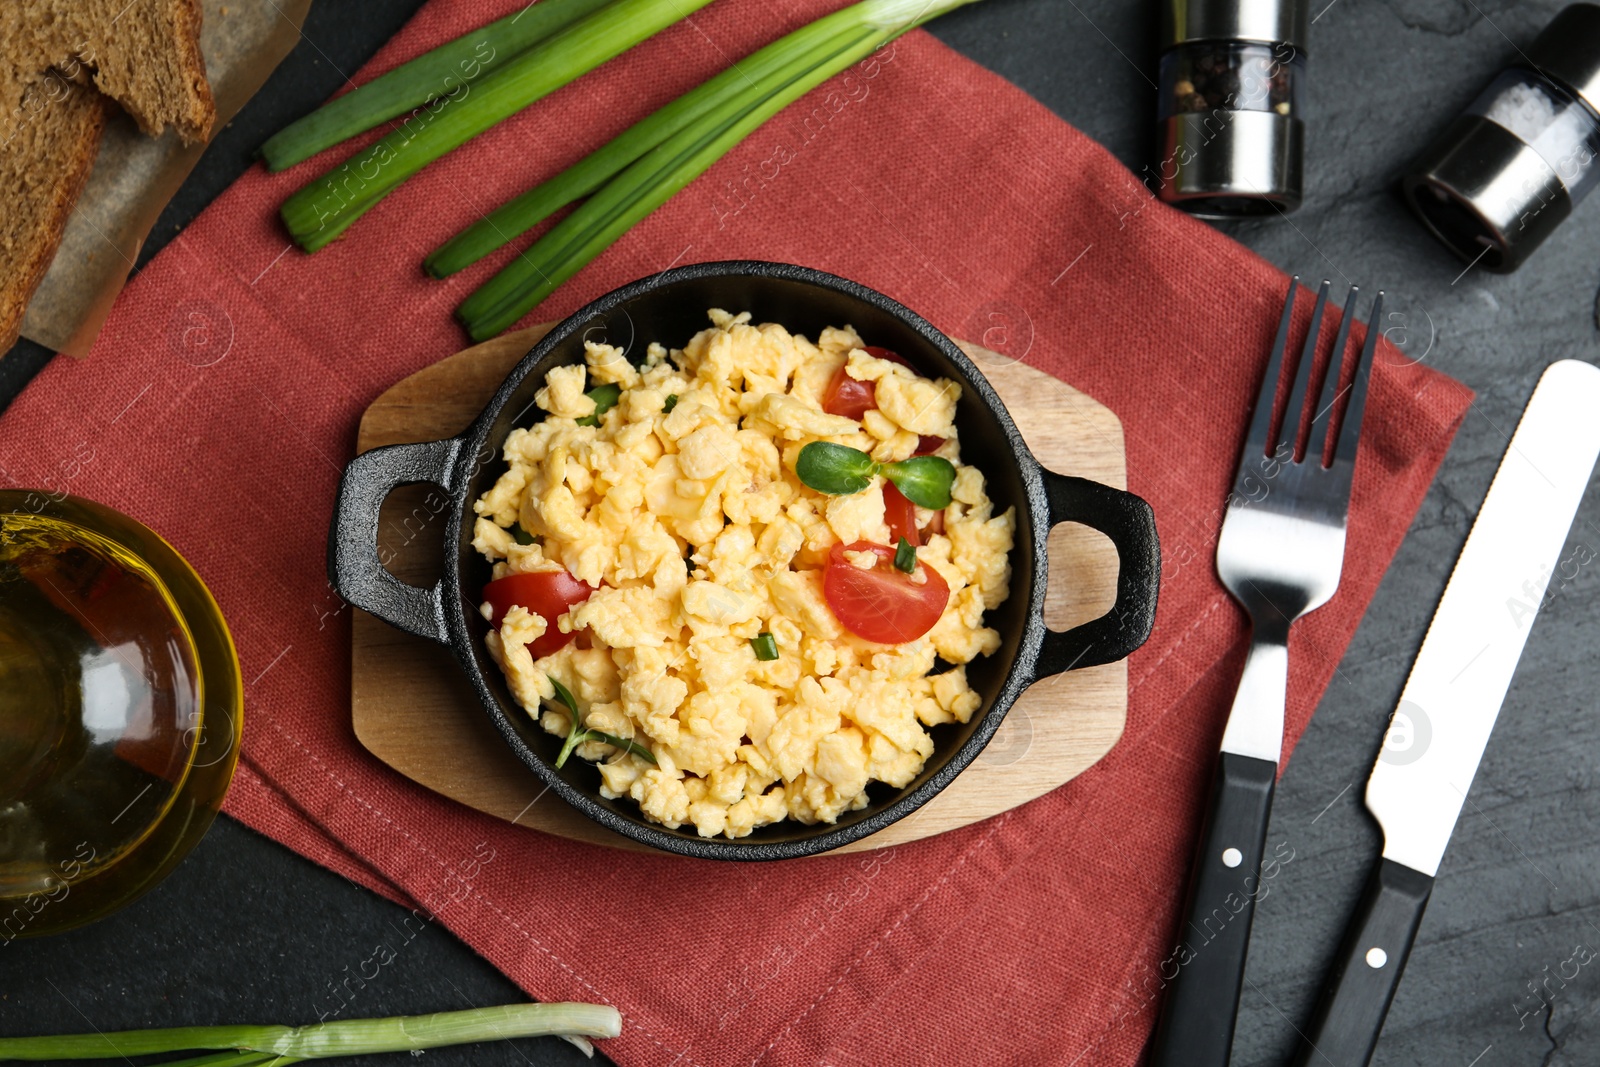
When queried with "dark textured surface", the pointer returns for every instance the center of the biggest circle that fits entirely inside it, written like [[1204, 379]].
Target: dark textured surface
[[1506, 969]]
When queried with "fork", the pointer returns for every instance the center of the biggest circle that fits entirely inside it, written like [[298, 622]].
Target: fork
[[1280, 555]]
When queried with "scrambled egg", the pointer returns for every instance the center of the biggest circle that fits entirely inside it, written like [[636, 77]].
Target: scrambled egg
[[697, 535]]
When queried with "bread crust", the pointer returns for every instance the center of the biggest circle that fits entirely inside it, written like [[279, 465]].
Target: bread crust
[[49, 165], [21, 277], [204, 118], [184, 99]]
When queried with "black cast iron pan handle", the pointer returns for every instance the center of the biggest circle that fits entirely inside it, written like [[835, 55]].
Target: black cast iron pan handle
[[1130, 524], [354, 564]]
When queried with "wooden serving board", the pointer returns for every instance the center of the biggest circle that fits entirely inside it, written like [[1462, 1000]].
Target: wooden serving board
[[412, 708]]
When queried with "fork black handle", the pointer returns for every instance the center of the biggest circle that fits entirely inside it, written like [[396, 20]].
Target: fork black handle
[[1206, 967], [1130, 524]]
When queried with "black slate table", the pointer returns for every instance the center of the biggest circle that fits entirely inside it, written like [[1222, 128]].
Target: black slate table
[[247, 931]]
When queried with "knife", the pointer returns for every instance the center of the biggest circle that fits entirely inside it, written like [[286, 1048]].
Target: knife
[[1438, 732]]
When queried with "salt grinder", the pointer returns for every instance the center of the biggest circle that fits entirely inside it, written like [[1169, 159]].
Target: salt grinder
[[1512, 167], [1232, 138]]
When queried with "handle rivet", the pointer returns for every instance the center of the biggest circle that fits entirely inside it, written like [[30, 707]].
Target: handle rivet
[[1232, 857], [1376, 958]]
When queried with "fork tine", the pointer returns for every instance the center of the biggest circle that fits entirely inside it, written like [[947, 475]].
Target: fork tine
[[1333, 376], [1350, 429], [1256, 443], [1293, 417]]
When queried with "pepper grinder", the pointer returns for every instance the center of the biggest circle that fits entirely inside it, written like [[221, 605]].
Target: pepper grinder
[[1512, 166], [1231, 134]]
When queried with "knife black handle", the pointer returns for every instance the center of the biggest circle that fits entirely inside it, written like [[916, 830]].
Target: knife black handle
[[1366, 972], [1202, 998]]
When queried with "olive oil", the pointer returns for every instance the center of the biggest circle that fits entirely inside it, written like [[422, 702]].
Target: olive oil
[[116, 743]]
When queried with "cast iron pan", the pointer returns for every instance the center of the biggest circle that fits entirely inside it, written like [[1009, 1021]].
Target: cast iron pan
[[670, 308]]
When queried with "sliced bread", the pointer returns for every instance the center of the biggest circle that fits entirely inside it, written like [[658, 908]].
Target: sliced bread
[[144, 54], [59, 62], [46, 152]]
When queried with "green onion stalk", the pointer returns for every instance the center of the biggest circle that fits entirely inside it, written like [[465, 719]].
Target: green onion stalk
[[269, 1046], [447, 71], [782, 60], [325, 207], [721, 120]]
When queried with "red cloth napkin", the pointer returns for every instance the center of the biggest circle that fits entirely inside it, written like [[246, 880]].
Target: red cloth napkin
[[221, 403]]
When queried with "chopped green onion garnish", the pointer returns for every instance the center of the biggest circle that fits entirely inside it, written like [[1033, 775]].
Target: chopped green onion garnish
[[341, 1037], [521, 536], [451, 69], [765, 645], [672, 402], [905, 556], [325, 207], [605, 398]]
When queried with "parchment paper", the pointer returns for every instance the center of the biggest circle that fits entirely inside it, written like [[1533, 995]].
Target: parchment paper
[[134, 176]]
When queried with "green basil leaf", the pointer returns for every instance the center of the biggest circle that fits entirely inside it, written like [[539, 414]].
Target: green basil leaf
[[905, 557], [923, 480], [835, 469], [605, 398], [521, 536]]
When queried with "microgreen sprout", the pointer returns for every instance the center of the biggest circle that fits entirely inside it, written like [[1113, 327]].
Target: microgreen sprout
[[577, 733], [839, 470]]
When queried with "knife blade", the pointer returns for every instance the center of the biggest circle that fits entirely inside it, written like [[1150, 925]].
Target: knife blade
[[1439, 730]]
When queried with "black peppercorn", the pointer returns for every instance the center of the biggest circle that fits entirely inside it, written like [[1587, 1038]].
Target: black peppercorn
[[1231, 135]]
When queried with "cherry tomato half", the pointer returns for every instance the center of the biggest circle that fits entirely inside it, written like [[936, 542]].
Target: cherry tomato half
[[850, 398], [927, 446], [883, 604], [548, 594], [901, 515], [880, 352]]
